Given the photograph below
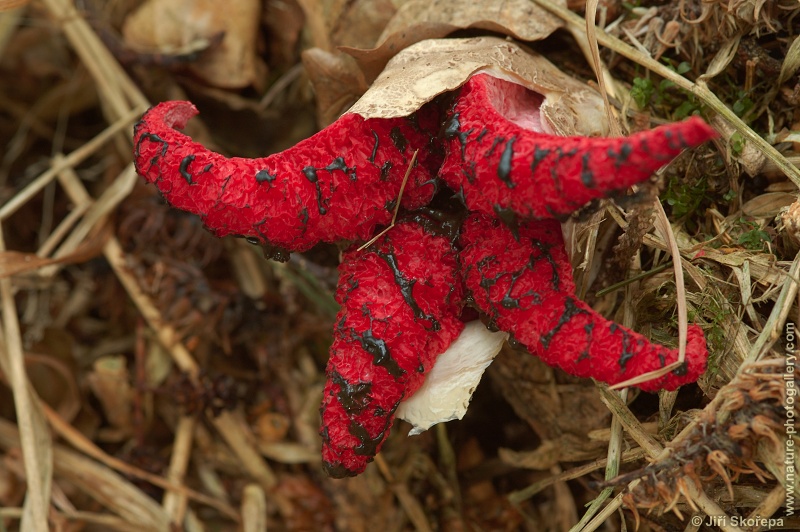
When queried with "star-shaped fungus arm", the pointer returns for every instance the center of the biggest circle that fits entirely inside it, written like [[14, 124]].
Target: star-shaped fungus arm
[[525, 286], [401, 299], [336, 185], [503, 163]]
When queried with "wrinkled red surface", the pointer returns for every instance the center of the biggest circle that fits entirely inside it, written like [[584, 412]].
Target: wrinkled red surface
[[385, 342], [525, 286], [401, 297], [285, 206], [503, 163]]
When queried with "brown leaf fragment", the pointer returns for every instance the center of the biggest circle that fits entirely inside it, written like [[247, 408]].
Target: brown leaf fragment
[[520, 19], [361, 22], [768, 205], [418, 20], [168, 26], [429, 68], [337, 82], [372, 61], [284, 21], [17, 262], [110, 383]]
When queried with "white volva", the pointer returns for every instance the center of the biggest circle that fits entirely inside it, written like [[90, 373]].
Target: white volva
[[449, 386]]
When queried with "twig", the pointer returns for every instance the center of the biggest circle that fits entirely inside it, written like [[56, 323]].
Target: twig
[[396, 207]]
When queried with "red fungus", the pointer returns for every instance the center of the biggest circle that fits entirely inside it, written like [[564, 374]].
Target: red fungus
[[336, 185], [401, 297], [525, 286], [504, 164], [400, 300]]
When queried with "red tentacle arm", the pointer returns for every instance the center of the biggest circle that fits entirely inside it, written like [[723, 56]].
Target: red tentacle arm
[[400, 299], [504, 164], [336, 185], [525, 286]]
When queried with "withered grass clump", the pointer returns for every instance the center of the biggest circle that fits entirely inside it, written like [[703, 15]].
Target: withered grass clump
[[723, 444]]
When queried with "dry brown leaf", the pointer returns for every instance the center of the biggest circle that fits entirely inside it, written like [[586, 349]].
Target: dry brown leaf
[[419, 20], [337, 82], [768, 205], [167, 26], [110, 383], [17, 262], [12, 4], [520, 19], [429, 68], [284, 23], [361, 22]]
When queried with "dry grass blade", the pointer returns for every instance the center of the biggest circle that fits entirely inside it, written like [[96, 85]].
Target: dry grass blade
[[409, 503], [232, 431], [780, 312], [70, 161], [106, 521], [111, 490], [175, 503], [34, 436], [116, 88], [791, 63], [102, 484], [613, 461], [631, 425], [597, 65], [721, 60], [771, 503], [85, 446], [517, 497], [228, 428], [254, 509], [120, 188]]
